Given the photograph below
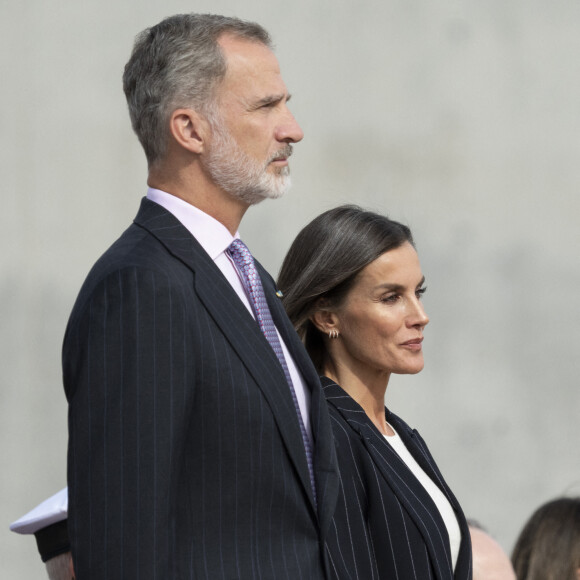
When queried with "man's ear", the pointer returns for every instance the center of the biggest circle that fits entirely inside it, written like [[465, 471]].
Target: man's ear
[[189, 129]]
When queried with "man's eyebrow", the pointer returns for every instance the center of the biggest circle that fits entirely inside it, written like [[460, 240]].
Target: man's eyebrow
[[270, 99]]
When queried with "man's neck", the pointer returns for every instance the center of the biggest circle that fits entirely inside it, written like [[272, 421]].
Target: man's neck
[[203, 194]]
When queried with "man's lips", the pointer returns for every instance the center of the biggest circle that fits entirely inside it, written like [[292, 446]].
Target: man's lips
[[282, 156]]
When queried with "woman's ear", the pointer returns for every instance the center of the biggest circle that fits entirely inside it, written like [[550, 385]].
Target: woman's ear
[[323, 318], [189, 129]]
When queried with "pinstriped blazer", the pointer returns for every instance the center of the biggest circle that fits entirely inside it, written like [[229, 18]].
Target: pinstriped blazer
[[185, 456], [386, 525]]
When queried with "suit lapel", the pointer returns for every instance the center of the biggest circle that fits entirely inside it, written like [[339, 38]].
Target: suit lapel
[[411, 493], [325, 463], [236, 323], [417, 447]]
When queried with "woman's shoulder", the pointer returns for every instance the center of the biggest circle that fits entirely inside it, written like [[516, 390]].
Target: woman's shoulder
[[346, 414], [336, 395], [342, 406]]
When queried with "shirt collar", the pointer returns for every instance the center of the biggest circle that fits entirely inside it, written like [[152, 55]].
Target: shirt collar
[[212, 235]]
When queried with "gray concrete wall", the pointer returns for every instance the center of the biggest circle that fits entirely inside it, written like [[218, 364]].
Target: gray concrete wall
[[460, 118]]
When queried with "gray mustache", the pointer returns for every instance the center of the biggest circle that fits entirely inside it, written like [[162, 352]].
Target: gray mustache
[[285, 152]]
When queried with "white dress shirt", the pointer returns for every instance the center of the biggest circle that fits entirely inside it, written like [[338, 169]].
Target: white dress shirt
[[215, 239]]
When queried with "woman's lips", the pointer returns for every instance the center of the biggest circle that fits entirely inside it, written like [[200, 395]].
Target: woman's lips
[[413, 344]]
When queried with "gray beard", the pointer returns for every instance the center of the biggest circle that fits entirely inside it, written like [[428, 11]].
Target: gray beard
[[241, 176]]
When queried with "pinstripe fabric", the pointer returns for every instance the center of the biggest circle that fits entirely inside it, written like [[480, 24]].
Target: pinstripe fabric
[[185, 453], [386, 525]]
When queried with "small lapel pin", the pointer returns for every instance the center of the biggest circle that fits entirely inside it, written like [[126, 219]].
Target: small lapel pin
[[279, 293]]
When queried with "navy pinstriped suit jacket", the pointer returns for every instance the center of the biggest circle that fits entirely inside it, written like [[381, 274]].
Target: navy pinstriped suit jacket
[[185, 455], [386, 526]]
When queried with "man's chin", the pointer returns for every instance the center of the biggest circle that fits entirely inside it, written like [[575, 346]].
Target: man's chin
[[272, 187], [256, 198], [276, 189]]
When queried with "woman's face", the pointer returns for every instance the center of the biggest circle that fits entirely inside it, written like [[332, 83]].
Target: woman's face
[[381, 320]]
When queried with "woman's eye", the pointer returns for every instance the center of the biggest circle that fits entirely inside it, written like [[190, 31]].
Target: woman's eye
[[390, 298], [420, 291]]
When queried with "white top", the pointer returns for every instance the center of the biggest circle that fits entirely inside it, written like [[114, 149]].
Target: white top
[[436, 494], [215, 239]]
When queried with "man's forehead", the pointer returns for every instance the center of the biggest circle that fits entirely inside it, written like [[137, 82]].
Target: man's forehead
[[236, 47], [253, 72]]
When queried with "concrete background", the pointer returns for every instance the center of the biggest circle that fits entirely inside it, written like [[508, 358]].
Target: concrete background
[[460, 118]]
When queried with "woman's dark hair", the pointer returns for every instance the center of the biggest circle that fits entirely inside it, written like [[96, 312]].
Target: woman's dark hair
[[324, 261], [548, 547]]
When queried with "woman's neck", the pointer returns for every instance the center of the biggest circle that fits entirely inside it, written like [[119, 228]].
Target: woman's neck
[[367, 388]]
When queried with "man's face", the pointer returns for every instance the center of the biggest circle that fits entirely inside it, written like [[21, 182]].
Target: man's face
[[253, 129]]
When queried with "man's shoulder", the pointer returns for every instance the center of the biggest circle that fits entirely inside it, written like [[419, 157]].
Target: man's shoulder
[[135, 248], [136, 256]]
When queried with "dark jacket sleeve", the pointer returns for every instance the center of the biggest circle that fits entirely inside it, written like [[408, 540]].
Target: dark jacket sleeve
[[125, 382]]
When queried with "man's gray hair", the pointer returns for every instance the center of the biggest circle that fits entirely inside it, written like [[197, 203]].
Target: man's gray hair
[[178, 64]]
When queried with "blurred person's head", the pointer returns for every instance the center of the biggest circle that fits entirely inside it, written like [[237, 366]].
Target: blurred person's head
[[548, 547], [490, 562]]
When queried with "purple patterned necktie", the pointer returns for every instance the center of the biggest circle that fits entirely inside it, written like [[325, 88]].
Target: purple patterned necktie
[[253, 286]]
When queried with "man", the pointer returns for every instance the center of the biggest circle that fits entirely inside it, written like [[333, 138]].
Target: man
[[490, 562], [48, 522], [199, 441]]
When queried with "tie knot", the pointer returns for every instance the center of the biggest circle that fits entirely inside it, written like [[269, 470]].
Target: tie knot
[[242, 256], [239, 251], [244, 261]]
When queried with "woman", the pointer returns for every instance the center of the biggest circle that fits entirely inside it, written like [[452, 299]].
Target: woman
[[548, 547], [352, 286]]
